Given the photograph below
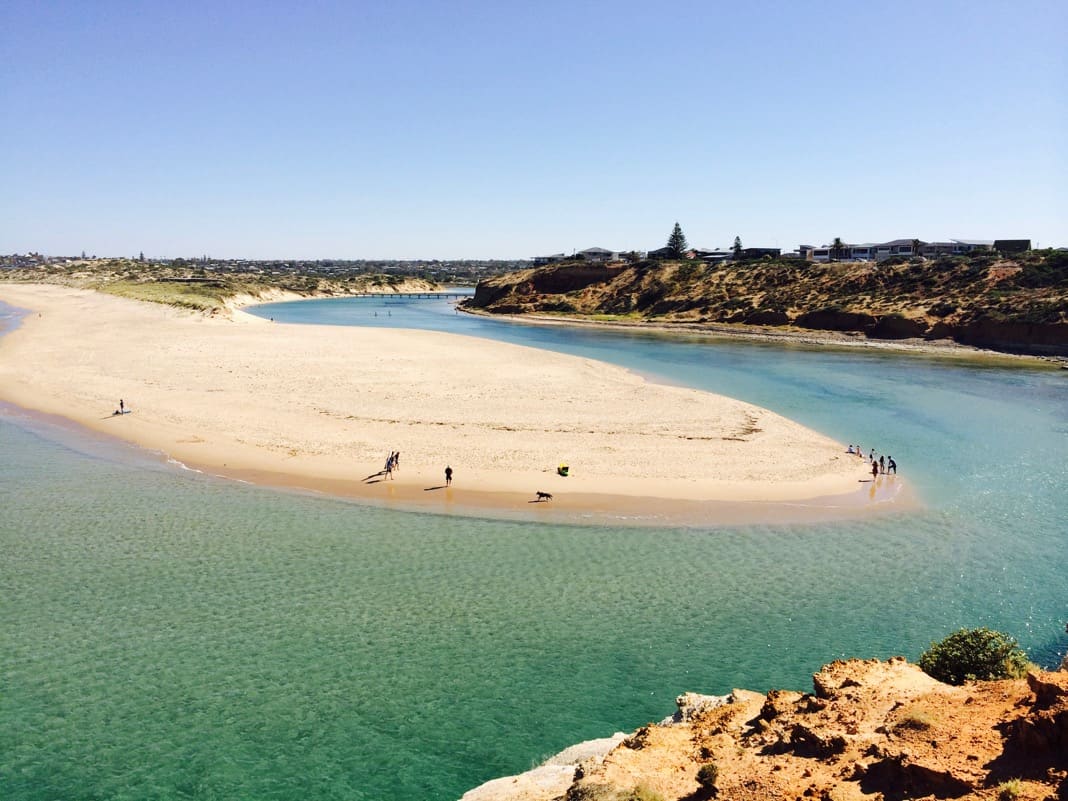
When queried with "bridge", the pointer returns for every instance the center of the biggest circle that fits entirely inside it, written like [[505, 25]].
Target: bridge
[[411, 295]]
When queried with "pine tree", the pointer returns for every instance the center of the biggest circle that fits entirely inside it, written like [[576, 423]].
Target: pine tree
[[736, 248], [677, 242]]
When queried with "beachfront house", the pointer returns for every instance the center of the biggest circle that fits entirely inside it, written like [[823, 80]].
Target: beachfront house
[[954, 247], [598, 254], [759, 253], [541, 261], [868, 251], [710, 256]]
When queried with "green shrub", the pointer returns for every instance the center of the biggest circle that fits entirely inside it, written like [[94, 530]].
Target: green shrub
[[1009, 791], [590, 792], [914, 718], [707, 775], [971, 654]]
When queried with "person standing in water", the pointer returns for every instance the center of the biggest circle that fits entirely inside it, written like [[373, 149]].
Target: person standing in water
[[874, 470], [448, 476]]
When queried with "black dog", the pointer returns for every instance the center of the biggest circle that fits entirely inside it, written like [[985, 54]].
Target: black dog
[[545, 496]]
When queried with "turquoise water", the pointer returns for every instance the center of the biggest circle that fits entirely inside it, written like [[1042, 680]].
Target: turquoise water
[[168, 635]]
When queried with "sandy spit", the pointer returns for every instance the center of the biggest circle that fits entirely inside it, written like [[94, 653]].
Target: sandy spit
[[320, 407]]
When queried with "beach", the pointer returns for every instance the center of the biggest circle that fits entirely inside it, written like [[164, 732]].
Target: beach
[[320, 408]]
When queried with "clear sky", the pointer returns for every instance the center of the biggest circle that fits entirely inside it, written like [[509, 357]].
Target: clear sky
[[505, 129]]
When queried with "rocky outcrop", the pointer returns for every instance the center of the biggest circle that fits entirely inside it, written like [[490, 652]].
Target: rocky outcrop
[[985, 301], [553, 280], [984, 332], [835, 320], [869, 729]]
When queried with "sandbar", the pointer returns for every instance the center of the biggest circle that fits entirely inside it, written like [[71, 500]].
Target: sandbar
[[319, 408]]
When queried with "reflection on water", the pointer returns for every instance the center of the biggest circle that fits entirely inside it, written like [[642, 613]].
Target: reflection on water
[[168, 635]]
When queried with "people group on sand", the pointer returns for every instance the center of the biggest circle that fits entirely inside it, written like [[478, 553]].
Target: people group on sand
[[392, 463], [881, 465]]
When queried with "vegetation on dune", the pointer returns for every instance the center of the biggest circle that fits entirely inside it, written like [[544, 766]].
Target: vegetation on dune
[[189, 286]]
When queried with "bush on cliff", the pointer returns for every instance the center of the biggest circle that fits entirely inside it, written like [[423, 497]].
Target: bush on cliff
[[706, 778], [974, 654]]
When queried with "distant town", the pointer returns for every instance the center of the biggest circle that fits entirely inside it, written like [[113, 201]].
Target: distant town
[[464, 271], [837, 251], [470, 271]]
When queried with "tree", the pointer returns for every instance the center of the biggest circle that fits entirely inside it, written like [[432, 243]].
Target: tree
[[974, 654], [677, 242], [836, 248], [736, 248]]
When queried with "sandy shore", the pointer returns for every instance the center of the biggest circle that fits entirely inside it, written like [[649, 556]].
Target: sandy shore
[[320, 407]]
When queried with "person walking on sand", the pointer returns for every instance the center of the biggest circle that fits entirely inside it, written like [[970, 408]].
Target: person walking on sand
[[882, 464], [891, 465], [874, 470], [389, 465], [122, 407], [448, 476], [396, 461]]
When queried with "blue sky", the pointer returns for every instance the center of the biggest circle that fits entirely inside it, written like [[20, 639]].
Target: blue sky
[[506, 130]]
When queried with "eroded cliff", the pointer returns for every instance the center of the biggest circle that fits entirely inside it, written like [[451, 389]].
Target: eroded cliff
[[868, 730], [984, 300]]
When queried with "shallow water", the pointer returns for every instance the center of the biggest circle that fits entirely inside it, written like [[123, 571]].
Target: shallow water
[[169, 635]]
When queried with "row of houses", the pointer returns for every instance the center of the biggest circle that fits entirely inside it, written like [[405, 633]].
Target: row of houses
[[881, 251], [868, 251]]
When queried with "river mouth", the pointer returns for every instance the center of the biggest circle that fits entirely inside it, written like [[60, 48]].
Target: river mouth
[[169, 633]]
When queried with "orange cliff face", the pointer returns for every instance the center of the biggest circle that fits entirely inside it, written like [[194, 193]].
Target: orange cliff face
[[870, 730], [1018, 305]]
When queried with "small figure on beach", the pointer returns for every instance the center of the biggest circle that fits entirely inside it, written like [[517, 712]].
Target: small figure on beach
[[389, 465], [396, 461], [891, 465], [122, 407], [544, 496], [882, 464], [850, 449], [448, 476], [872, 454], [874, 470]]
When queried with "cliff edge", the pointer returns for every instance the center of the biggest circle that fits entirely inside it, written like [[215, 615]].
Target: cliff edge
[[868, 730], [1015, 305]]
